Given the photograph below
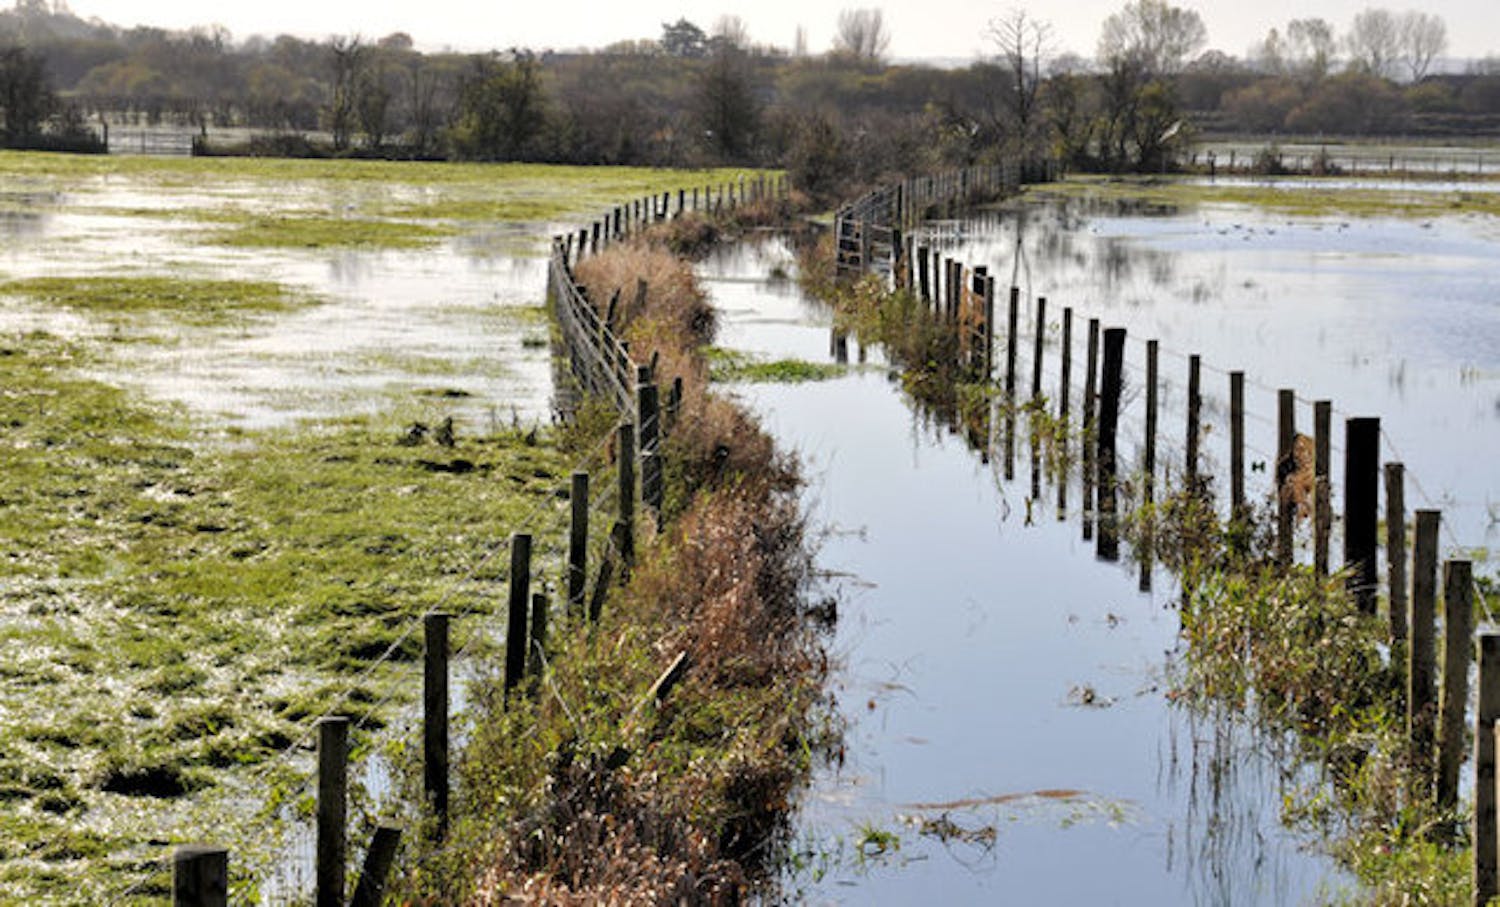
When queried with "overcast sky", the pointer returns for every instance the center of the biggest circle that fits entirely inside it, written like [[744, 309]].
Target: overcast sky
[[929, 28]]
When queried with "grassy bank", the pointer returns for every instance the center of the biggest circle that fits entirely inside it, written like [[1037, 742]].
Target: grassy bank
[[592, 788]]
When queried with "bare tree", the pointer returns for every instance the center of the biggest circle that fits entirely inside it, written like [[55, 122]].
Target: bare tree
[[1310, 46], [347, 59], [862, 35], [1023, 41], [1374, 42], [730, 31], [1153, 36], [1423, 37]]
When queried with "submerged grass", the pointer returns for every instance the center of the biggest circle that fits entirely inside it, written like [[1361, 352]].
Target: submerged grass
[[728, 366], [197, 302]]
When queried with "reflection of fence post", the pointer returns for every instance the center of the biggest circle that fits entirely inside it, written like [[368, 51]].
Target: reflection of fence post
[[333, 807], [200, 876], [578, 544], [1361, 489], [1286, 468], [1395, 549], [1458, 627], [1421, 657], [1485, 728], [435, 717], [1322, 489], [520, 597]]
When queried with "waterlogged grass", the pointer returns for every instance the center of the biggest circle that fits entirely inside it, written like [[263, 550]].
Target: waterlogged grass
[[200, 303], [379, 204], [1306, 198], [729, 365], [176, 613]]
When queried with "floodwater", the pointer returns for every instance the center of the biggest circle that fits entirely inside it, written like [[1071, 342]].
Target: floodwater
[[455, 327], [1010, 737]]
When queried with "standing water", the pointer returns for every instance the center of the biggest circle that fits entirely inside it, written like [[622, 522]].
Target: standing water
[[1011, 732]]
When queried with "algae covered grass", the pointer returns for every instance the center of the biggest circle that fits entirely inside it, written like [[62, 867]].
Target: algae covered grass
[[195, 302]]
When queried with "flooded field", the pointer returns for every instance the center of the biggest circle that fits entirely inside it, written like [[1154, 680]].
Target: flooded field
[[1012, 736]]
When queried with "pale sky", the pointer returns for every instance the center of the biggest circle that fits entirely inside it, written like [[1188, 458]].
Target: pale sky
[[929, 28]]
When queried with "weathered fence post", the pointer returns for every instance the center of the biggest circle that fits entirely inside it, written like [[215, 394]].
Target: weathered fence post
[[536, 657], [989, 327], [435, 717], [924, 282], [1064, 377], [1485, 729], [1286, 468], [369, 891], [333, 808], [1112, 384], [1421, 657], [1038, 348], [626, 453], [1361, 490], [520, 597], [1237, 446], [1395, 549], [648, 414], [1194, 421], [1011, 323], [578, 544], [1322, 485], [200, 876], [1149, 466], [1091, 370], [1458, 629]]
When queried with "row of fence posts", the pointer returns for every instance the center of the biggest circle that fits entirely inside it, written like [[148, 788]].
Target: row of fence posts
[[1434, 711], [630, 218], [1333, 164], [200, 873]]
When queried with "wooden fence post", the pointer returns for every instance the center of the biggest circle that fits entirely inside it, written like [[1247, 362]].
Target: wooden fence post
[[1194, 417], [200, 876], [369, 891], [989, 328], [1322, 486], [1458, 630], [520, 597], [1361, 490], [1038, 348], [1421, 658], [626, 453], [1237, 510], [435, 717], [1112, 384], [1065, 370], [924, 281], [536, 656], [1286, 467], [1091, 371], [1011, 322], [1485, 840], [648, 412], [1149, 467], [578, 544], [1395, 550], [333, 808]]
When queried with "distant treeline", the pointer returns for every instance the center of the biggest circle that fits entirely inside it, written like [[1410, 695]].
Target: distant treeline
[[691, 96]]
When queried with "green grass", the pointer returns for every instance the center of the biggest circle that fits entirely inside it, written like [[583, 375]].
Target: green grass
[[728, 365], [298, 232], [177, 612], [186, 300]]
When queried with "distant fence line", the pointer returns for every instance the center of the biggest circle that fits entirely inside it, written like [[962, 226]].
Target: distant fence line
[[600, 362], [988, 351]]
